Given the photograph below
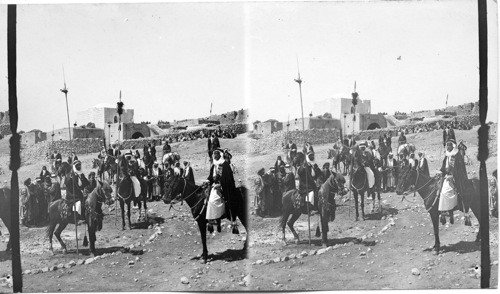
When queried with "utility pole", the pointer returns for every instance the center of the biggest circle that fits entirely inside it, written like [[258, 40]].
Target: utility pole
[[299, 81], [65, 91]]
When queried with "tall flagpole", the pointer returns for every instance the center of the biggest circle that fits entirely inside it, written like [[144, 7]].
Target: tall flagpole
[[65, 91], [299, 81]]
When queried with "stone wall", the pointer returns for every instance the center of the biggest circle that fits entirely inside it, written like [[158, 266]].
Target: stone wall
[[276, 141], [39, 151]]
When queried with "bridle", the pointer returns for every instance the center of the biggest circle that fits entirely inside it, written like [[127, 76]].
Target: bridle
[[420, 188], [184, 198]]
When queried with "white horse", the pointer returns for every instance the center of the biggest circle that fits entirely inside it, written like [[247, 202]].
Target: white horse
[[170, 158]]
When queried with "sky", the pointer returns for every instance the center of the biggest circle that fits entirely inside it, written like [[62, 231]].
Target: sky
[[339, 43], [172, 60]]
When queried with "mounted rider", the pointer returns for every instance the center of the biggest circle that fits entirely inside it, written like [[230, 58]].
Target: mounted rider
[[453, 183], [367, 162], [402, 139], [216, 206], [130, 169], [292, 150], [308, 173], [75, 183]]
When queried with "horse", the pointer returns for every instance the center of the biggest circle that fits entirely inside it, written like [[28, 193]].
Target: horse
[[339, 156], [359, 183], [60, 216], [429, 188], [5, 211], [406, 149], [126, 194], [170, 158], [326, 207], [178, 188]]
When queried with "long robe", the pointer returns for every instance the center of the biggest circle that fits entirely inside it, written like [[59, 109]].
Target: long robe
[[453, 169]]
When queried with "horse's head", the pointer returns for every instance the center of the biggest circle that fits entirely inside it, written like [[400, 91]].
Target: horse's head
[[340, 183], [407, 178], [173, 188], [299, 159], [105, 192]]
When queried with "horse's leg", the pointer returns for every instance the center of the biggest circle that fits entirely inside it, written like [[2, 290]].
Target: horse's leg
[[139, 205], [356, 200], [324, 216], [145, 210], [202, 226], [293, 219], [435, 224], [318, 231], [128, 214], [50, 233], [362, 198], [284, 219], [60, 228], [122, 207], [477, 212], [92, 238]]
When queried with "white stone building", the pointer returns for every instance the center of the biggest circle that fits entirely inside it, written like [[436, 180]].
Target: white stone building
[[103, 113]]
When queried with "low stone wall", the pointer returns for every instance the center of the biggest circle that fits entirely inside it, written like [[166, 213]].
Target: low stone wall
[[276, 141], [39, 151]]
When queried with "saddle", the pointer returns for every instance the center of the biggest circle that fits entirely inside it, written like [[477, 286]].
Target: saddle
[[66, 209], [299, 201]]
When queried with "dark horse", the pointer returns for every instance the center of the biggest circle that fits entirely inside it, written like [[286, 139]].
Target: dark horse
[[60, 214], [326, 206], [359, 183], [109, 165], [179, 189], [126, 194], [5, 211], [338, 156], [429, 188]]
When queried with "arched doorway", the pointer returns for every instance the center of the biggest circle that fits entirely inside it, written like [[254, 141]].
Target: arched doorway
[[373, 126], [137, 135]]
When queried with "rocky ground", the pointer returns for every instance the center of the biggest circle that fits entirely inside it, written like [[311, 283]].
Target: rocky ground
[[159, 255], [389, 250]]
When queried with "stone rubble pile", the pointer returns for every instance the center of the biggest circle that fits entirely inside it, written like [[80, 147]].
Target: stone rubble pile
[[40, 151]]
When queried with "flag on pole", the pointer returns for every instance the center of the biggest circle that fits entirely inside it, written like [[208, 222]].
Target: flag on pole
[[446, 100]]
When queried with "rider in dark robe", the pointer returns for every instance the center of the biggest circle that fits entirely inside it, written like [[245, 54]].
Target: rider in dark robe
[[289, 181], [75, 183], [402, 139], [423, 166], [166, 148], [453, 170], [53, 190], [44, 173], [448, 134], [188, 172], [278, 164], [308, 173], [326, 171]]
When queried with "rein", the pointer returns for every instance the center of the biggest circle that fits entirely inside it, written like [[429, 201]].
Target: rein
[[418, 190], [184, 198]]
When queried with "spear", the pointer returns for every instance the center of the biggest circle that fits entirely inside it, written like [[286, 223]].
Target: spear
[[65, 91], [299, 81]]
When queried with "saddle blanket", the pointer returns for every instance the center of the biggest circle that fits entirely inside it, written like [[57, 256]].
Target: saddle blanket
[[371, 177], [448, 197], [137, 186], [215, 205]]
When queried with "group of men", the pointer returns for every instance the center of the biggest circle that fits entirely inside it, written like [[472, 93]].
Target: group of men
[[36, 196]]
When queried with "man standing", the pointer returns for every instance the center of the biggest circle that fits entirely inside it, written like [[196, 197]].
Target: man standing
[[448, 134], [453, 184], [72, 158], [293, 150], [402, 139]]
